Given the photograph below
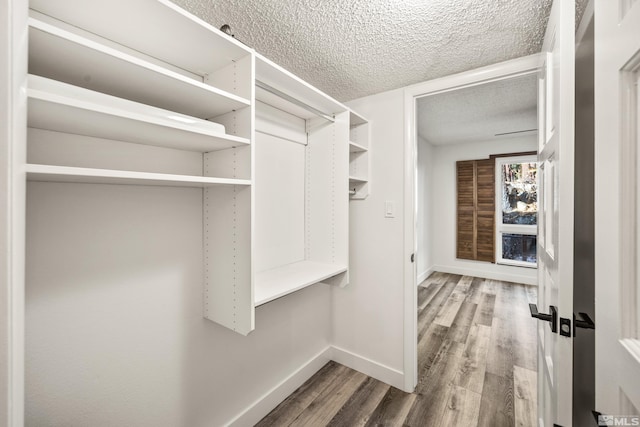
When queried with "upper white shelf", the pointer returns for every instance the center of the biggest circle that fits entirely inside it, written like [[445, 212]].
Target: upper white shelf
[[273, 75], [83, 59], [65, 108], [356, 148], [281, 281], [356, 119], [51, 173], [158, 28]]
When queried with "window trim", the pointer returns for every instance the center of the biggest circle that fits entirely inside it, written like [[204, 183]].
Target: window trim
[[500, 228]]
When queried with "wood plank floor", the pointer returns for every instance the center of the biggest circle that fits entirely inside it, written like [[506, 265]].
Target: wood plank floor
[[476, 365]]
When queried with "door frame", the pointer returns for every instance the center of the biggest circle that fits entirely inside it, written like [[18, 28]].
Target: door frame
[[13, 112], [491, 73]]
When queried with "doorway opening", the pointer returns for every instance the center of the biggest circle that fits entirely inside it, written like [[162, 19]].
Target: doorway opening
[[441, 256]]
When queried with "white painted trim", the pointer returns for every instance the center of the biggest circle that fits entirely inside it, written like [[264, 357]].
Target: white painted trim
[[265, 404], [516, 67], [13, 73], [505, 277], [423, 276], [369, 367]]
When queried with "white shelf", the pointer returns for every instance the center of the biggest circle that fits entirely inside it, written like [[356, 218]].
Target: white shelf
[[158, 28], [65, 108], [86, 60], [356, 119], [356, 148], [278, 78], [281, 281], [50, 173], [358, 180]]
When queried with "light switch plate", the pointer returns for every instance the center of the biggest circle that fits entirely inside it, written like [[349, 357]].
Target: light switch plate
[[389, 209]]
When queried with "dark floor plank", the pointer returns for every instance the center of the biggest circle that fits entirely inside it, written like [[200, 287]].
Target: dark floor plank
[[525, 397], [459, 330], [360, 406], [433, 391], [328, 403], [475, 290], [300, 399], [500, 357], [427, 316], [392, 410], [429, 347], [428, 292], [462, 408], [484, 312], [523, 330], [474, 359], [496, 405]]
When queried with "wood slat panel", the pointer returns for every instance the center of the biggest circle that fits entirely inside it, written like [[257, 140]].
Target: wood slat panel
[[475, 233]]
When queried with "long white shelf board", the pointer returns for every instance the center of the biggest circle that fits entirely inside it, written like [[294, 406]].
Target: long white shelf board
[[61, 107], [358, 180], [356, 119], [168, 33], [356, 148], [49, 173], [281, 281], [284, 81], [87, 61]]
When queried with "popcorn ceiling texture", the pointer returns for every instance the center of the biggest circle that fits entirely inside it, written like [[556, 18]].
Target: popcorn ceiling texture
[[354, 48], [478, 113]]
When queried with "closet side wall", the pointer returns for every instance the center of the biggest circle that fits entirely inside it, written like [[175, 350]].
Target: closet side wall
[[368, 314], [114, 315]]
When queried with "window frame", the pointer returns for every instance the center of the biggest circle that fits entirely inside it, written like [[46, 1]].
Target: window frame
[[500, 228]]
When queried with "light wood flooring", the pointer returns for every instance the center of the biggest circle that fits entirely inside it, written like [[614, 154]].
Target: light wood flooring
[[476, 361]]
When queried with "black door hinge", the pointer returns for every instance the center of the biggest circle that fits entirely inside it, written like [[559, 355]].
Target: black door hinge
[[413, 257]]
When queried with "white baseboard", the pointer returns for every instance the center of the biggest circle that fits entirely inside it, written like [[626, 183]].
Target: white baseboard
[[368, 367], [261, 407], [422, 277], [265, 404], [506, 277]]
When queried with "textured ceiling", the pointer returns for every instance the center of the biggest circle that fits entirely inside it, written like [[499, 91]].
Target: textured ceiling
[[479, 113], [353, 48]]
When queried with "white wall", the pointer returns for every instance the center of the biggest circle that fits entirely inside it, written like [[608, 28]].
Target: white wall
[[368, 314], [115, 333], [424, 258], [443, 208]]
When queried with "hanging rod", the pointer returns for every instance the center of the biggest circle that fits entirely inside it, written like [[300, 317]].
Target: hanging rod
[[292, 100]]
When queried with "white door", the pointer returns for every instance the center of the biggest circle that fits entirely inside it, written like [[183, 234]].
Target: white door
[[617, 77], [555, 233]]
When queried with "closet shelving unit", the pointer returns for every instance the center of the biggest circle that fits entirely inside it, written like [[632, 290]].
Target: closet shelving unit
[[359, 156], [301, 170], [140, 92]]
